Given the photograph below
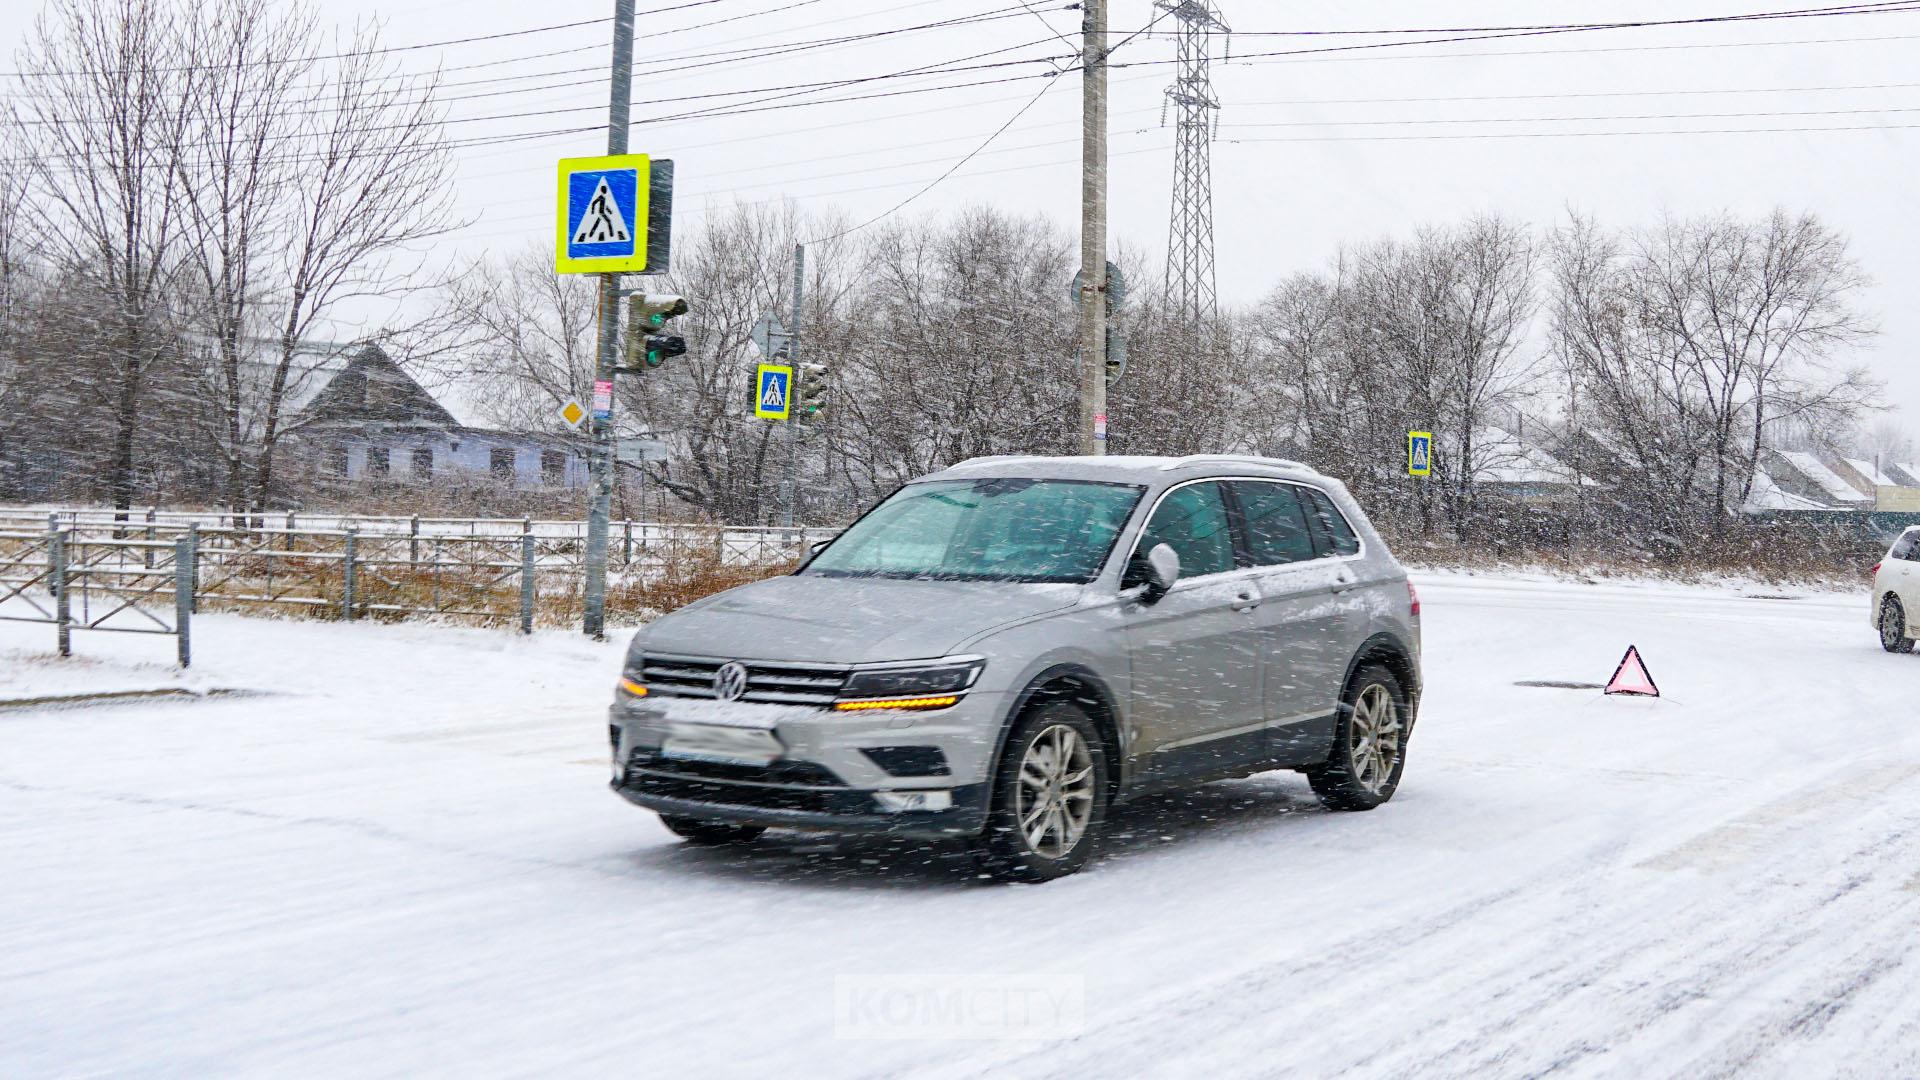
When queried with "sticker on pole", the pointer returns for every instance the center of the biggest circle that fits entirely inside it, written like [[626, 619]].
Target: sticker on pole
[[1419, 453], [773, 392], [602, 218], [1632, 678], [603, 399]]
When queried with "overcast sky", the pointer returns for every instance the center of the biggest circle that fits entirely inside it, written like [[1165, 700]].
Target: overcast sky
[[1314, 150]]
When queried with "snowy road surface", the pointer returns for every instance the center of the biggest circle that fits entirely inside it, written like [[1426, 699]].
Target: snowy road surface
[[405, 862]]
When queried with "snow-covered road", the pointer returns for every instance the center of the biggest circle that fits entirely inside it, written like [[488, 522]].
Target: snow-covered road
[[403, 861]]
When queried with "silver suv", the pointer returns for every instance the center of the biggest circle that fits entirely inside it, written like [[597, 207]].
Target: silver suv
[[1002, 650]]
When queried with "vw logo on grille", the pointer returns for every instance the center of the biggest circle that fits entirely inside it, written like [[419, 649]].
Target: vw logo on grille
[[730, 682]]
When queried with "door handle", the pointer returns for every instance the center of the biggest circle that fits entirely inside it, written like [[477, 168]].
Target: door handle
[[1245, 602], [1344, 582]]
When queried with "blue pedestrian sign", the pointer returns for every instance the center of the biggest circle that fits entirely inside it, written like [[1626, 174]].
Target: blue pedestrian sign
[[602, 215], [773, 392], [1419, 453]]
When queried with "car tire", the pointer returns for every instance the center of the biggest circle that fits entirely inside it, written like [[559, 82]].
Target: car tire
[[711, 833], [1893, 626], [1064, 810], [1369, 743]]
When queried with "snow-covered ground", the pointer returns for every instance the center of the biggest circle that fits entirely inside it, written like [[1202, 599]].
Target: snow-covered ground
[[402, 860]]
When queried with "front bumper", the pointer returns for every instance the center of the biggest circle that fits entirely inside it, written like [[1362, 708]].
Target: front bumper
[[830, 769]]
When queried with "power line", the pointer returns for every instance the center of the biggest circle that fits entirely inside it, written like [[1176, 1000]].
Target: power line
[[1570, 119], [1591, 94], [956, 167], [1579, 134], [1884, 7]]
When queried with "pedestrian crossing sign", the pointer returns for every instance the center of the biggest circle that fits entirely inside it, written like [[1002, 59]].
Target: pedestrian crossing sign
[[773, 397], [603, 215], [1419, 453]]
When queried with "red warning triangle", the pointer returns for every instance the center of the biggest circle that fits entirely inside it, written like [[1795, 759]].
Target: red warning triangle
[[1631, 677]]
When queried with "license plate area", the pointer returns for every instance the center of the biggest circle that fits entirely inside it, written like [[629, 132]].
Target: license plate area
[[721, 744]]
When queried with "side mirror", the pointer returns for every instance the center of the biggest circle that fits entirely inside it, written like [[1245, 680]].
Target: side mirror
[[813, 552], [1155, 573]]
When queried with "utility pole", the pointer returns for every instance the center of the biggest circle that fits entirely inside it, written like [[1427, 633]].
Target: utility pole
[[789, 482], [1093, 230], [600, 498]]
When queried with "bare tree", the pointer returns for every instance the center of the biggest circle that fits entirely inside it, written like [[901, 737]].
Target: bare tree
[[529, 338], [1687, 344], [375, 179], [107, 108], [239, 169]]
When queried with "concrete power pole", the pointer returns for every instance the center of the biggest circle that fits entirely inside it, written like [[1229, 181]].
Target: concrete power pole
[[1093, 231], [600, 499]]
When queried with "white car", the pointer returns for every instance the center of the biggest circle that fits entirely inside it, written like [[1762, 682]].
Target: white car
[[1896, 593]]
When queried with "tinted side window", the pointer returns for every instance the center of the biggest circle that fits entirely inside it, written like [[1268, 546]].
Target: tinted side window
[[1332, 525], [1276, 523], [1907, 547], [1193, 522]]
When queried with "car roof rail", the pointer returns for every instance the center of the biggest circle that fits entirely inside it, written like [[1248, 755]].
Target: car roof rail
[[1238, 459]]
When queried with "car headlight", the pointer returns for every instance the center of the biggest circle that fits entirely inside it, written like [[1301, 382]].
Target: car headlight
[[935, 685]]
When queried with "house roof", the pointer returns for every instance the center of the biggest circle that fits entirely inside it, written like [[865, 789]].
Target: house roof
[[1768, 495], [1828, 481], [1870, 472], [1505, 458]]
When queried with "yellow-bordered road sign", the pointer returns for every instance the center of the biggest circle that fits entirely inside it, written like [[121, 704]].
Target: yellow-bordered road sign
[[602, 217], [773, 392], [1419, 453]]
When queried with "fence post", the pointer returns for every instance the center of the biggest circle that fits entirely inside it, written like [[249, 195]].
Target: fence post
[[346, 584], [526, 583], [184, 558], [413, 543], [626, 543], [57, 555], [148, 556], [291, 525], [193, 582]]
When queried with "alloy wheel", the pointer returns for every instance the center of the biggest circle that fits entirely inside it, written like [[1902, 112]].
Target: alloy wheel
[[1376, 735], [1892, 633], [1054, 799]]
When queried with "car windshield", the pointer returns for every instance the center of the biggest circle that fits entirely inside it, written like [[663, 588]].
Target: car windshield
[[998, 529]]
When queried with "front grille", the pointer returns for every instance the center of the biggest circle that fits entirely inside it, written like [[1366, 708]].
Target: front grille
[[767, 683], [783, 785]]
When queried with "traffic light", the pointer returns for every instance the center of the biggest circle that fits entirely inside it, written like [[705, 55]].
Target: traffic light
[[812, 394], [647, 314]]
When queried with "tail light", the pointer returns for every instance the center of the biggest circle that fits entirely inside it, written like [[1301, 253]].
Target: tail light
[[1875, 572], [1413, 597]]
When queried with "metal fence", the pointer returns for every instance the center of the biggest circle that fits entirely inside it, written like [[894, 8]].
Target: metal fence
[[112, 585], [490, 571]]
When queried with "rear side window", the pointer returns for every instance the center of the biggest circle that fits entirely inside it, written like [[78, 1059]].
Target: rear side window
[[1907, 547], [1193, 522], [1335, 534], [1276, 523]]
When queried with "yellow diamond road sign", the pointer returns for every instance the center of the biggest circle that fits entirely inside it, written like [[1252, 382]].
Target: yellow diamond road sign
[[572, 413], [601, 224]]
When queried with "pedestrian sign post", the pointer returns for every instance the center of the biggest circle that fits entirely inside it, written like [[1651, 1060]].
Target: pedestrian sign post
[[602, 220], [773, 392], [1419, 453]]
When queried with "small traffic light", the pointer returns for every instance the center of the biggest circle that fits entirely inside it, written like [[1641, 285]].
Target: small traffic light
[[647, 314], [812, 395]]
